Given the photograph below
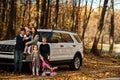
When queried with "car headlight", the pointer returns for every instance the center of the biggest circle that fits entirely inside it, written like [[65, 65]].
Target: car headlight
[[11, 48], [7, 48], [0, 48]]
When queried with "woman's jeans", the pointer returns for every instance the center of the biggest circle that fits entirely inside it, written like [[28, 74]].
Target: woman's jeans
[[18, 56]]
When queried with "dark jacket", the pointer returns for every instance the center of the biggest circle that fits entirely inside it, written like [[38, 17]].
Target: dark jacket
[[20, 44], [45, 50], [28, 39]]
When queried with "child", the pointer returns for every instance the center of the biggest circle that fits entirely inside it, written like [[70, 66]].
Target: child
[[27, 39], [45, 52], [45, 49], [35, 60]]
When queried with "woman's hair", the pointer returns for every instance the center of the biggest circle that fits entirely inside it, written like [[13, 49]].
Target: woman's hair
[[35, 31], [22, 29]]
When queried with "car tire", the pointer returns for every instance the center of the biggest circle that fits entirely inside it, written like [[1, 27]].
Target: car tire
[[76, 63]]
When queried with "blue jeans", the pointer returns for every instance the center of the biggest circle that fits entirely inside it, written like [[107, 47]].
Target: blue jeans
[[18, 56]]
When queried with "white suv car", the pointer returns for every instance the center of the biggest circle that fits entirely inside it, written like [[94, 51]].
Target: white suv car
[[65, 48]]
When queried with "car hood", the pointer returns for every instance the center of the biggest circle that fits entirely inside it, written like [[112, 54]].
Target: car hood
[[8, 42]]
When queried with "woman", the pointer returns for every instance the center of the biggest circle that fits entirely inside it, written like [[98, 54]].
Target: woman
[[34, 37]]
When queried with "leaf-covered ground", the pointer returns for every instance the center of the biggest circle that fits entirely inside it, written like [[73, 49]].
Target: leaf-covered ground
[[93, 68]]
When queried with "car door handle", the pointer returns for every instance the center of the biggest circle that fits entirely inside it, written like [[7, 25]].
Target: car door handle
[[61, 46], [74, 45]]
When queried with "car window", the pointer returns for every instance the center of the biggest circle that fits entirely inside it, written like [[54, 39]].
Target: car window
[[77, 38], [46, 34], [55, 38], [66, 38], [61, 38]]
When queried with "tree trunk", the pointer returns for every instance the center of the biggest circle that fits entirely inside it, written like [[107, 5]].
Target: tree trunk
[[37, 18], [112, 28], [86, 20], [29, 14], [77, 17], [73, 15], [47, 14], [14, 19], [23, 16], [12, 15], [2, 20], [49, 17], [100, 27], [43, 13], [56, 13]]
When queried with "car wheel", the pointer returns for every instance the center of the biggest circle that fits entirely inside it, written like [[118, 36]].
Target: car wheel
[[76, 63]]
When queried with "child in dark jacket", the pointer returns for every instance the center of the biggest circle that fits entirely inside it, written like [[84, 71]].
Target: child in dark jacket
[[45, 52], [45, 49]]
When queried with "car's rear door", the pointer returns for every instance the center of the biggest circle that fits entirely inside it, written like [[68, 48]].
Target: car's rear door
[[61, 46], [67, 46], [55, 47]]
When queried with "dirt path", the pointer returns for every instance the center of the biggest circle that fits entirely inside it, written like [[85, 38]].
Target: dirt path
[[93, 68]]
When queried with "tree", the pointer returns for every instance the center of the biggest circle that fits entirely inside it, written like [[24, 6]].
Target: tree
[[111, 27], [94, 49], [2, 11], [12, 17], [43, 14], [77, 18], [86, 19], [29, 7], [73, 15], [47, 14], [23, 14], [56, 14], [37, 18]]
